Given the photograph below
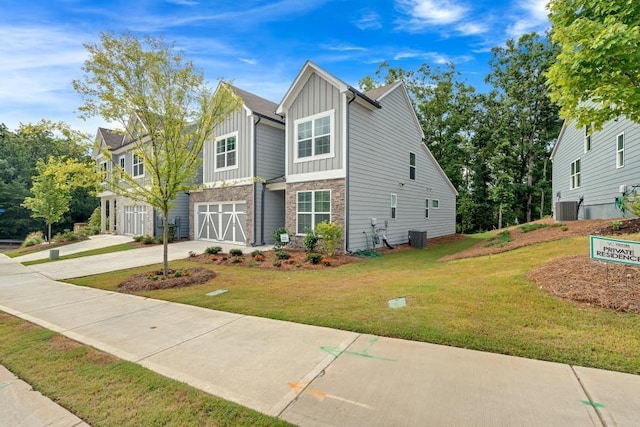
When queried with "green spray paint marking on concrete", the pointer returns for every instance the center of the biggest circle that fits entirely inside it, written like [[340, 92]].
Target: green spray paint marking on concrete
[[594, 404], [335, 351], [5, 385]]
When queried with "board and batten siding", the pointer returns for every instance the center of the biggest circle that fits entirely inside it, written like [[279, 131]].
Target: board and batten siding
[[380, 143], [600, 178], [239, 122], [317, 96]]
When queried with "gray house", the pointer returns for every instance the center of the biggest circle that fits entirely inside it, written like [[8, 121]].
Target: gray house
[[121, 215], [359, 159], [593, 170], [232, 203]]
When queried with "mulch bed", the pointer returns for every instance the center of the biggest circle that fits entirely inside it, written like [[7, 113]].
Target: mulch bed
[[152, 280], [297, 261], [602, 284]]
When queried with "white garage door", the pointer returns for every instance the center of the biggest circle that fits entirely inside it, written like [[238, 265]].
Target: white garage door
[[224, 222], [134, 219]]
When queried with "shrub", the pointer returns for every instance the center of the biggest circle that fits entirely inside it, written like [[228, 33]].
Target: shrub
[[310, 240], [147, 240], [212, 250], [235, 252], [138, 238], [331, 234], [157, 240], [192, 254], [68, 236], [283, 255], [236, 260], [33, 238], [531, 227], [277, 233], [616, 225], [251, 263], [314, 257], [501, 239], [277, 263], [257, 252]]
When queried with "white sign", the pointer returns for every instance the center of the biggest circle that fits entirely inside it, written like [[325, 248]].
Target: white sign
[[614, 250], [284, 238]]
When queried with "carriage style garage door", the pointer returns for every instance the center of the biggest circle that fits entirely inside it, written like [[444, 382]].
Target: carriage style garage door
[[225, 222], [134, 219]]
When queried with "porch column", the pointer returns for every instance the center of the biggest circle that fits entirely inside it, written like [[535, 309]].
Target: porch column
[[103, 215], [112, 215]]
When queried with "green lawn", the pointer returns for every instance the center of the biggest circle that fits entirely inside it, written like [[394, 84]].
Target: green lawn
[[104, 390], [107, 250], [484, 303]]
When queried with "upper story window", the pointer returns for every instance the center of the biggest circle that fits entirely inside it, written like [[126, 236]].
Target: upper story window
[[620, 150], [314, 137], [412, 166], [104, 170], [122, 162], [587, 138], [313, 207], [426, 208], [138, 166], [394, 206], [575, 174], [435, 204], [226, 152]]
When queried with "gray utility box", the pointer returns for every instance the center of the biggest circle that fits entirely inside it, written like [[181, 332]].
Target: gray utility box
[[418, 239], [567, 211]]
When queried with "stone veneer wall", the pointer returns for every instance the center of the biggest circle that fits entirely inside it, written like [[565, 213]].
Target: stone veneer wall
[[226, 194], [337, 187]]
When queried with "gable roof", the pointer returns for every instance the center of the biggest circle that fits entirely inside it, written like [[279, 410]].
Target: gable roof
[[380, 92], [261, 106], [307, 70], [112, 139], [565, 124]]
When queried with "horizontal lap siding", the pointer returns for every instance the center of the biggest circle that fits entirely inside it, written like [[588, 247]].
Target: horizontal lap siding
[[600, 179], [380, 143], [270, 152], [317, 96]]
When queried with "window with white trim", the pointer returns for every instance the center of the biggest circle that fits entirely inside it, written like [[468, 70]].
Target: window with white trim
[[122, 162], [394, 206], [426, 208], [412, 166], [435, 204], [620, 150], [587, 138], [312, 208], [314, 136], [575, 174], [226, 152], [138, 166]]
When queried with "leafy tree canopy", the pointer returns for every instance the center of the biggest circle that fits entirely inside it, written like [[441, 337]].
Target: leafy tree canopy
[[596, 75]]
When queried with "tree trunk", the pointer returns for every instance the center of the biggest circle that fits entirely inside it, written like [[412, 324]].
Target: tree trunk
[[49, 236], [500, 217], [543, 189], [165, 244]]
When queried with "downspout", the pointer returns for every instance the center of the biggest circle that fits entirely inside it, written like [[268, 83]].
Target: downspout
[[346, 179], [255, 184], [264, 185]]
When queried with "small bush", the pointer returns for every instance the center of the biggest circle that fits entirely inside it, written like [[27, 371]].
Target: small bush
[[251, 263], [212, 250], [192, 254], [138, 238], [501, 239], [331, 234], [616, 225], [277, 263], [283, 255], [526, 228], [68, 236], [147, 240], [236, 260], [33, 238], [235, 252], [277, 233], [157, 240], [256, 253], [314, 257], [310, 240]]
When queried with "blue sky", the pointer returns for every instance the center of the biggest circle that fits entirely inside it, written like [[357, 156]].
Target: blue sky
[[260, 45]]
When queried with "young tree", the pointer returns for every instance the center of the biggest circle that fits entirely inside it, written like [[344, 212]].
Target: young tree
[[53, 185], [596, 77], [124, 75]]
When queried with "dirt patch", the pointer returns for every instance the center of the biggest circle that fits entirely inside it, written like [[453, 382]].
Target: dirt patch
[[153, 280], [62, 344], [597, 283]]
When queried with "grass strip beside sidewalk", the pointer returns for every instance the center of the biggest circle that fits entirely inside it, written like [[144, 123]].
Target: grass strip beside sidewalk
[[104, 390], [99, 251]]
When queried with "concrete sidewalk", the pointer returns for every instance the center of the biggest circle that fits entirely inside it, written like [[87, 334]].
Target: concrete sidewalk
[[24, 407], [96, 264], [315, 376]]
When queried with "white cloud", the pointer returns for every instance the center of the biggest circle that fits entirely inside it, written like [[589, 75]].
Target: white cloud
[[249, 61], [472, 28], [432, 57], [368, 20], [423, 13], [345, 48], [531, 15], [184, 2]]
